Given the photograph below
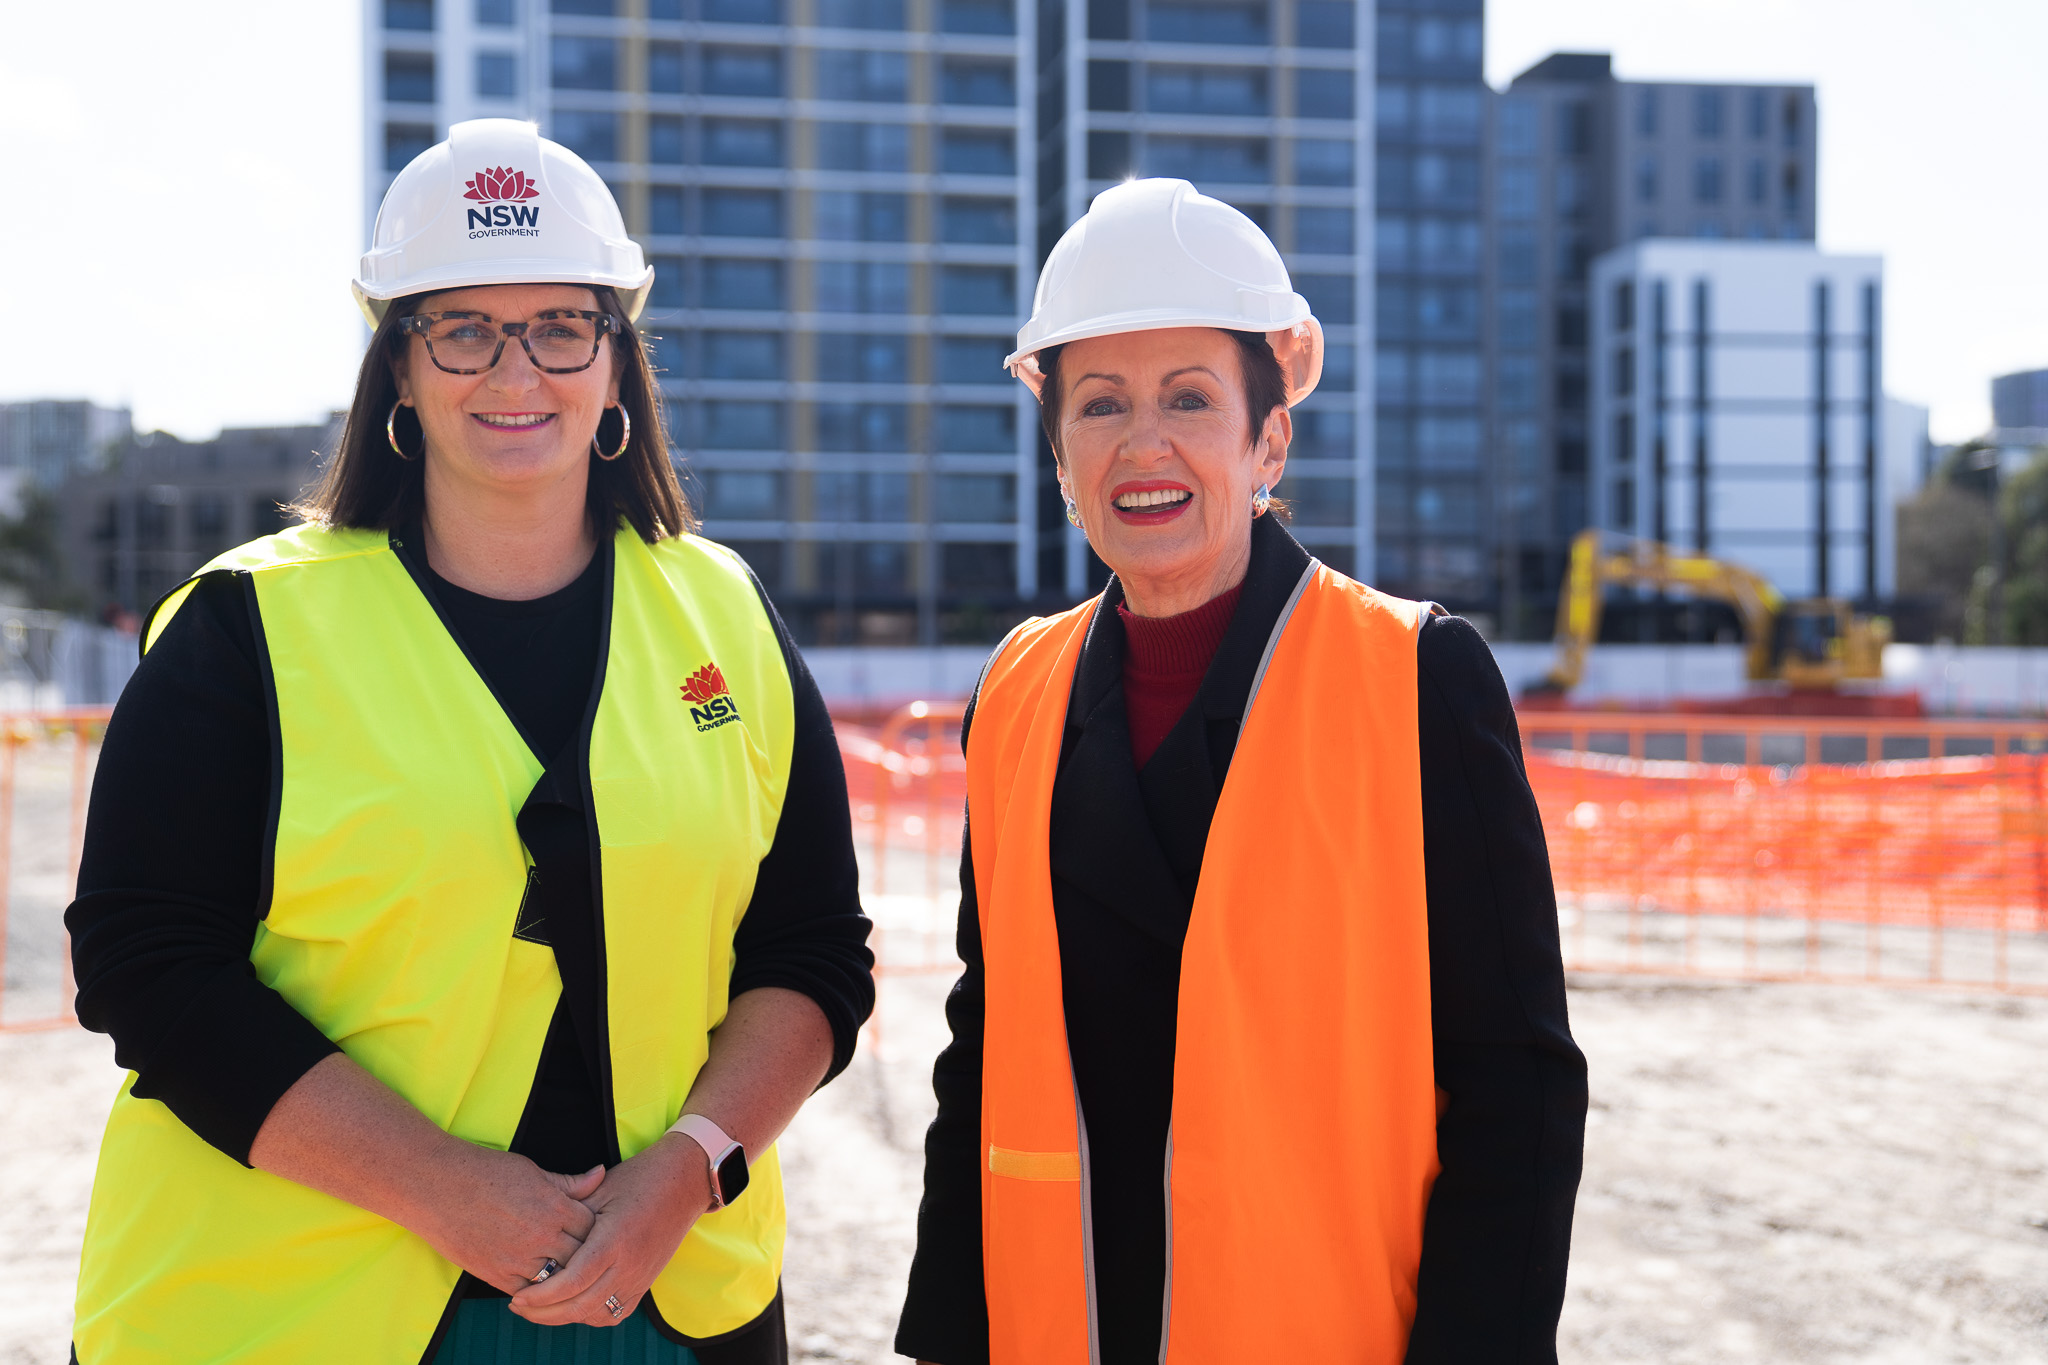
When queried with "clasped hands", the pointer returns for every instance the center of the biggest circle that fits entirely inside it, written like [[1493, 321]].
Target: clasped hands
[[502, 1217]]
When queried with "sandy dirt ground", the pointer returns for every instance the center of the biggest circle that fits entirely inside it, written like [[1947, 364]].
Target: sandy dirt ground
[[1773, 1173]]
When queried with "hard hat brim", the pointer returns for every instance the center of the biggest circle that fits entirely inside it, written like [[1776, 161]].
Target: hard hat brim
[[632, 296], [1297, 345]]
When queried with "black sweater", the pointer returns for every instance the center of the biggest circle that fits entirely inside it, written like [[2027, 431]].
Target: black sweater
[[1126, 849], [171, 879]]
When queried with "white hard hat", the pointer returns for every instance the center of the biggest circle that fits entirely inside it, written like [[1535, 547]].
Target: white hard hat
[[1151, 254], [497, 203]]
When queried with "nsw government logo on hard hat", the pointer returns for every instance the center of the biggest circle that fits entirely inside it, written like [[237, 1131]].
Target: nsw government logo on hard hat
[[505, 192], [711, 703]]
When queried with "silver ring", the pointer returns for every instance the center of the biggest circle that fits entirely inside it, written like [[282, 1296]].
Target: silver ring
[[547, 1268], [614, 1305]]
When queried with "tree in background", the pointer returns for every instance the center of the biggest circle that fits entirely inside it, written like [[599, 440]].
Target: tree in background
[[1945, 538], [31, 564], [2023, 516]]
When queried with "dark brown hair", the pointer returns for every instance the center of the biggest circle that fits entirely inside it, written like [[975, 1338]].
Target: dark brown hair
[[1265, 387], [366, 486]]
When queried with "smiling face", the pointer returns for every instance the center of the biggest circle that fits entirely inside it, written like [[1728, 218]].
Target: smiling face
[[1161, 455], [514, 429]]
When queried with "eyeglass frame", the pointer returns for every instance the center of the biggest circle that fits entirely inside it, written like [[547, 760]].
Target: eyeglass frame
[[609, 324]]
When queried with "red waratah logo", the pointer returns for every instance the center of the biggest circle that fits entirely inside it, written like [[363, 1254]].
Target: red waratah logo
[[501, 185], [711, 703]]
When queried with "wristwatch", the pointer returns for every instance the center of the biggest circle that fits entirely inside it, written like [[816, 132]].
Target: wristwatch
[[728, 1159]]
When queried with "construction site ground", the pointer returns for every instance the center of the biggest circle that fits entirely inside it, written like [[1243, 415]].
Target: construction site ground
[[1774, 1172]]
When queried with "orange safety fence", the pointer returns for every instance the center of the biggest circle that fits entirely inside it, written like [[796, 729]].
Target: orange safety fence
[[1903, 852], [46, 765]]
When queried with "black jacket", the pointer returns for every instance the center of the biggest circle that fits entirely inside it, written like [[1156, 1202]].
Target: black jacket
[[1126, 851]]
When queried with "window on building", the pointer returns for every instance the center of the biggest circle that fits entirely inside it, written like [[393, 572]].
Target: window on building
[[861, 286], [973, 360], [668, 355], [1624, 437], [1708, 112], [580, 63], [1340, 367], [1393, 309], [743, 355], [845, 495], [977, 151], [665, 210], [1109, 19], [875, 569], [665, 139], [497, 75], [1515, 385], [1326, 23], [1447, 245], [1447, 312], [1759, 182], [1575, 128], [868, 77], [747, 71], [978, 497], [1325, 231], [1450, 113], [409, 77], [1109, 86], [1333, 298], [743, 11], [1393, 241], [1393, 108], [1573, 189], [978, 16], [981, 429], [984, 566], [742, 285], [1515, 314], [1217, 160], [985, 81], [863, 428], [1624, 504], [669, 10], [978, 290], [742, 213], [862, 357], [730, 425], [1758, 105], [1791, 121], [865, 216], [404, 141], [863, 146], [978, 220], [1393, 179], [1322, 161], [1320, 501], [496, 13], [1325, 433], [665, 68], [266, 515], [1446, 377], [742, 142], [1448, 179], [1624, 376], [1647, 100], [1238, 22], [592, 134], [206, 523], [1520, 129], [1323, 93], [1792, 188], [1624, 305], [409, 15], [1443, 441], [1518, 255], [1646, 180], [742, 495], [1109, 156], [1517, 196], [1706, 180], [1238, 90], [667, 289], [870, 14]]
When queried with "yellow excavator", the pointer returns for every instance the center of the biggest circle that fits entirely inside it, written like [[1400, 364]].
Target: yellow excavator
[[1812, 644]]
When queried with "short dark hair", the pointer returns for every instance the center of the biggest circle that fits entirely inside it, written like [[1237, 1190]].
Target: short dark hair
[[1265, 386], [366, 486]]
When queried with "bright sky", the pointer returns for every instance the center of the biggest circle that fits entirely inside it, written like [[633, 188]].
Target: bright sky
[[184, 205]]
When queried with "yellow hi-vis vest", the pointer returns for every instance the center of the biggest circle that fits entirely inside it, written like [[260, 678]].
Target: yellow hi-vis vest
[[397, 874]]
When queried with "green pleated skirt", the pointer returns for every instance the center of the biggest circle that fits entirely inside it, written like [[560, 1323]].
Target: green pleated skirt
[[488, 1332]]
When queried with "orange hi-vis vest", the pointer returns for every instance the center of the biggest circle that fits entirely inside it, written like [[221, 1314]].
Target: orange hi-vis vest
[[1303, 1140]]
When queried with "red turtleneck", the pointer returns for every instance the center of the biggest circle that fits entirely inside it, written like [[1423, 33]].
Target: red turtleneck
[[1164, 660]]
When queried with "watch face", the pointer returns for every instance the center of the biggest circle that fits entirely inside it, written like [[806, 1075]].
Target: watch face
[[732, 1175]]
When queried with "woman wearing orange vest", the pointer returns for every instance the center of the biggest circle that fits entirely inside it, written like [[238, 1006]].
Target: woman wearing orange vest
[[1261, 1050]]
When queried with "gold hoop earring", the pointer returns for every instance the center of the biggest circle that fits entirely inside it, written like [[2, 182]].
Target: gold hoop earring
[[391, 433], [625, 437]]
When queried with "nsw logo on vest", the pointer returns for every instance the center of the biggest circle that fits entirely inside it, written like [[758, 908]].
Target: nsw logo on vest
[[711, 703], [504, 193]]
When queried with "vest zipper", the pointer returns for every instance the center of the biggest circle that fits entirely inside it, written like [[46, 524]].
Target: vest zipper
[[1087, 1223]]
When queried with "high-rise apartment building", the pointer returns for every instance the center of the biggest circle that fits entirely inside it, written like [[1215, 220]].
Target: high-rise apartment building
[[1581, 164], [836, 197], [1433, 497], [1259, 103], [44, 441]]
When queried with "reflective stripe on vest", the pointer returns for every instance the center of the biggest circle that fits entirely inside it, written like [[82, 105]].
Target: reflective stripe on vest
[[1303, 1140], [397, 874]]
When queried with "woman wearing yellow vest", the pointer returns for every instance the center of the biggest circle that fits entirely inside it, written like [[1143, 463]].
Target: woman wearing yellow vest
[[469, 884], [1261, 1050]]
